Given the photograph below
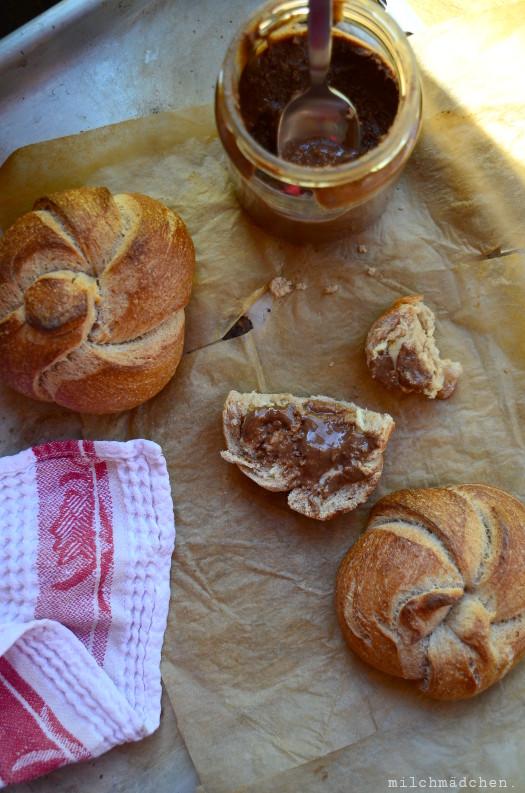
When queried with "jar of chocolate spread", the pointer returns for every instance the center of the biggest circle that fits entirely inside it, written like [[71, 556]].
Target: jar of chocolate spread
[[318, 196]]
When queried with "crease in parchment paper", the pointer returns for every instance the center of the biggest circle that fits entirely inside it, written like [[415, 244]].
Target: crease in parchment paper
[[266, 694], [423, 753]]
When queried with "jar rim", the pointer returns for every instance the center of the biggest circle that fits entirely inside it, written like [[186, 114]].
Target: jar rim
[[394, 141]]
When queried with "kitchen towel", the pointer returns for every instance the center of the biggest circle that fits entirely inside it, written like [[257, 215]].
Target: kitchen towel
[[86, 537]]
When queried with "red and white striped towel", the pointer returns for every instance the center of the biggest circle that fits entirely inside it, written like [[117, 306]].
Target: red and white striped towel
[[86, 537]]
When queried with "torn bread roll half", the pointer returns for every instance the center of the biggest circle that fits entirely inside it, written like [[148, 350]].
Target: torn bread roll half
[[402, 354], [327, 454]]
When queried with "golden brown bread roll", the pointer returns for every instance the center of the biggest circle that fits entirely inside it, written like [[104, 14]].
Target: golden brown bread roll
[[92, 294], [328, 454], [434, 590], [401, 351]]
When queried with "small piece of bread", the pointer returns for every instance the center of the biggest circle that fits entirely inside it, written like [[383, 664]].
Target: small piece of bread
[[433, 591], [401, 352], [327, 454], [280, 287]]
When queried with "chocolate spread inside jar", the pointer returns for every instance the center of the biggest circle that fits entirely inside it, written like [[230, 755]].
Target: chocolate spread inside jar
[[270, 80], [308, 445]]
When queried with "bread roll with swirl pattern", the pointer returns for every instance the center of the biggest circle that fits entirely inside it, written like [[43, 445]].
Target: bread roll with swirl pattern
[[92, 295], [434, 590]]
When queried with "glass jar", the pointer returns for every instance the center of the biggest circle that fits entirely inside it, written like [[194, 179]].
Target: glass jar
[[314, 204]]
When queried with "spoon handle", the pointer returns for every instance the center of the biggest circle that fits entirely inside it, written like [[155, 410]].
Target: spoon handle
[[319, 39]]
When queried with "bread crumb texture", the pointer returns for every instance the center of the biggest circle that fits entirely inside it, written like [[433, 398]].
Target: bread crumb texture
[[402, 354], [280, 287], [326, 454]]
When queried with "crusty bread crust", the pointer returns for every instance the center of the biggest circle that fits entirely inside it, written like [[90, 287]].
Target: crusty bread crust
[[401, 351], [92, 294], [434, 591], [277, 478]]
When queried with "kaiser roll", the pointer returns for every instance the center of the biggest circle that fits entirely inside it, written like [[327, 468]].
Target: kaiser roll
[[434, 590], [92, 294]]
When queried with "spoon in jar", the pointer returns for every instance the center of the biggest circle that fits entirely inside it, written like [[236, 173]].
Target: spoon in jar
[[320, 126]]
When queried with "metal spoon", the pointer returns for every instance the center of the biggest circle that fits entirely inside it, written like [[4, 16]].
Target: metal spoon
[[320, 126]]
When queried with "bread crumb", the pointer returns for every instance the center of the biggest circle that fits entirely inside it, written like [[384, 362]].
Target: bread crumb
[[332, 363], [280, 287], [371, 271], [301, 286], [330, 289], [362, 249]]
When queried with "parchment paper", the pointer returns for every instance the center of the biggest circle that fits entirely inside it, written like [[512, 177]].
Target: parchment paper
[[266, 694], [259, 675]]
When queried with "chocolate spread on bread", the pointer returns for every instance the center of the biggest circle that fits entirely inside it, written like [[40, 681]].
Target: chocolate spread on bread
[[310, 445], [402, 354], [326, 454]]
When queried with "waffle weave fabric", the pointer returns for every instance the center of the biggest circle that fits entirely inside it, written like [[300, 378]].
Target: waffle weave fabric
[[87, 534]]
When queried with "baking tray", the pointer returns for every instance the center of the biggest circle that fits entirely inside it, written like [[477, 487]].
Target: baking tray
[[80, 65], [86, 63]]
